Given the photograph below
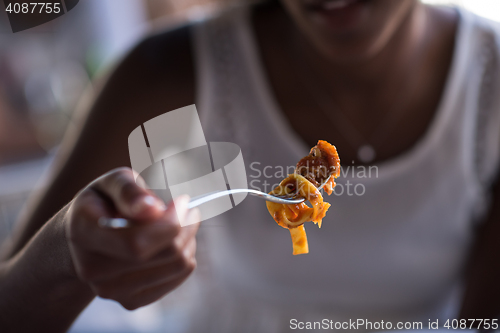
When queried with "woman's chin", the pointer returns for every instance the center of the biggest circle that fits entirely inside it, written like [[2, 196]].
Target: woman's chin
[[338, 16]]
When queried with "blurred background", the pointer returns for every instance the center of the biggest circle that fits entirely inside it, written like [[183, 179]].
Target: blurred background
[[43, 73]]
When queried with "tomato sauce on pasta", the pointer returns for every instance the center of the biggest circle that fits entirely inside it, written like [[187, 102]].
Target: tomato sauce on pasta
[[310, 173]]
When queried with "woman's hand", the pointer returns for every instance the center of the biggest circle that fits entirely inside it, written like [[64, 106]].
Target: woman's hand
[[138, 265]]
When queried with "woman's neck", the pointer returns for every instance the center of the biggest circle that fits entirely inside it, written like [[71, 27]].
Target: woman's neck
[[407, 77], [395, 58]]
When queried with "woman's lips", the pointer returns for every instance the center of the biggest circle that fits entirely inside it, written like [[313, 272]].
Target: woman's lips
[[329, 4], [336, 14]]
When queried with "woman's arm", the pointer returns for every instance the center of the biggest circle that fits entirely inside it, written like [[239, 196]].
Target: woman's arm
[[39, 286], [72, 259], [482, 293]]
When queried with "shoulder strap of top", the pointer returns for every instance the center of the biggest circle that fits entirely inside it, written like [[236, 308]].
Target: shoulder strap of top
[[487, 129]]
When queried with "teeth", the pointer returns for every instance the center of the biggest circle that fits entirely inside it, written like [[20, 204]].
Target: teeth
[[337, 4]]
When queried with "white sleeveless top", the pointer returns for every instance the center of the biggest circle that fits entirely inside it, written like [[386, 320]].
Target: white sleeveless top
[[394, 253]]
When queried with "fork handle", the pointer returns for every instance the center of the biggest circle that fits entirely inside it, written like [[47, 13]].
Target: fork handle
[[118, 223]]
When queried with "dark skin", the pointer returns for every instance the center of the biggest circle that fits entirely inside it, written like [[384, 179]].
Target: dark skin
[[483, 272], [52, 276], [397, 39], [364, 92]]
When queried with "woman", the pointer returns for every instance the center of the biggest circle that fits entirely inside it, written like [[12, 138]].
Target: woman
[[403, 86]]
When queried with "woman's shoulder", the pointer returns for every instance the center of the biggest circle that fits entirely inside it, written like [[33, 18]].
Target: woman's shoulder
[[155, 76], [163, 47], [165, 58]]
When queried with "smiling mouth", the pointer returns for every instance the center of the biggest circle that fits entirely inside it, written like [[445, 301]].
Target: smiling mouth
[[337, 4], [339, 16], [330, 5]]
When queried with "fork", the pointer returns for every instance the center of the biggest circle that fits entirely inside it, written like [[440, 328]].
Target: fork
[[117, 223]]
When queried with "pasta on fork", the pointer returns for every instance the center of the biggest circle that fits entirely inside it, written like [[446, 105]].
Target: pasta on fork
[[316, 170]]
